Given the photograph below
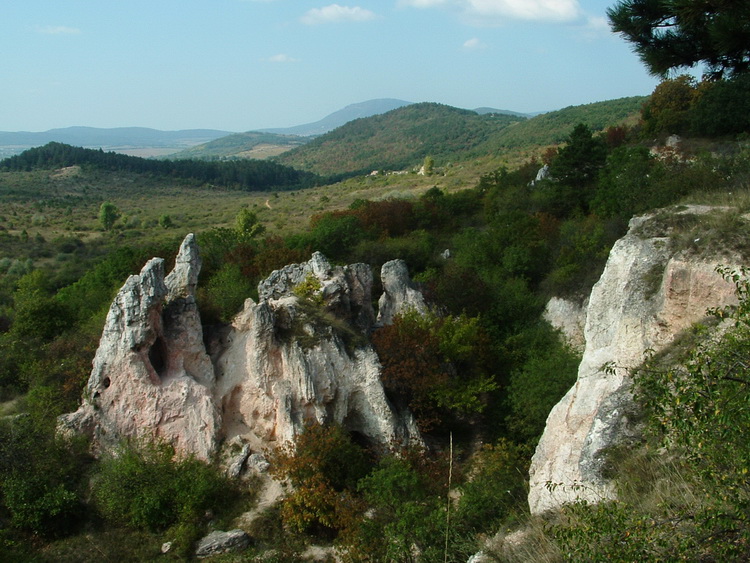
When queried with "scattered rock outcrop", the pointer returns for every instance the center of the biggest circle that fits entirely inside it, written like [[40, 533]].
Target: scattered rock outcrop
[[299, 355], [399, 293], [648, 293], [219, 542]]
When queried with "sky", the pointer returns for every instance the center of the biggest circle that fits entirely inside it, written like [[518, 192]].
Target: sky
[[239, 65]]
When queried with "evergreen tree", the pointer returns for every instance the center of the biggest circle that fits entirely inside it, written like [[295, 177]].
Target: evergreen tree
[[675, 34]]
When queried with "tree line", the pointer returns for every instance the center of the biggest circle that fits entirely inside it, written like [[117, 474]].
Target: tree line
[[250, 175]]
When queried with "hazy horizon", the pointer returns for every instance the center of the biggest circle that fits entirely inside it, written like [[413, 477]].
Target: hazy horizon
[[241, 65]]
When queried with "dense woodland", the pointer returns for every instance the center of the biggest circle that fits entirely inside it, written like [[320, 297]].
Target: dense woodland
[[480, 372], [255, 175]]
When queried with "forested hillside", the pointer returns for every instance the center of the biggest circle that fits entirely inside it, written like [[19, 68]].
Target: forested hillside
[[253, 175], [402, 138], [397, 140]]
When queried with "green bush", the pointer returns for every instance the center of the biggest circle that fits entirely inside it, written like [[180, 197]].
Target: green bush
[[495, 489], [336, 234], [146, 487], [407, 515], [545, 374], [722, 108], [324, 465], [41, 477], [628, 184], [225, 294]]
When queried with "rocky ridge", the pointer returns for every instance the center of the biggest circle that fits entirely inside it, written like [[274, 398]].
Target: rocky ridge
[[299, 355], [648, 293]]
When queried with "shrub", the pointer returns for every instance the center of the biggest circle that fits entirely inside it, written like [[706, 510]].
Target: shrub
[[722, 108], [41, 478], [667, 111], [225, 293], [496, 487], [407, 515], [145, 487], [335, 234], [546, 373], [628, 184], [437, 366], [324, 466]]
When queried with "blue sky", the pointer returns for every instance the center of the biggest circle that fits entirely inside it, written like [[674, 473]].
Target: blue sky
[[240, 65]]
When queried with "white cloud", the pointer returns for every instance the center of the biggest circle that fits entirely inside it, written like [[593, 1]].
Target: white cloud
[[551, 10], [473, 44], [57, 30], [423, 3], [492, 11], [595, 28], [335, 14], [282, 58]]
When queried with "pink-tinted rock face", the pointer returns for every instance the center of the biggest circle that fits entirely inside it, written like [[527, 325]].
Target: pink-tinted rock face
[[284, 362], [645, 297], [151, 375]]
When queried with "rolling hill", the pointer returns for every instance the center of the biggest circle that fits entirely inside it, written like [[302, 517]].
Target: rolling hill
[[397, 139], [403, 137], [252, 144]]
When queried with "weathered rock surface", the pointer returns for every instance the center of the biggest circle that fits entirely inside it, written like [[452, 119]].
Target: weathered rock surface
[[222, 542], [284, 367], [151, 375], [569, 317], [286, 361], [646, 296], [399, 293]]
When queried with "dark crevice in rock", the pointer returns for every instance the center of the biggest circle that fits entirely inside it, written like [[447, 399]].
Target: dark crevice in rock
[[157, 356]]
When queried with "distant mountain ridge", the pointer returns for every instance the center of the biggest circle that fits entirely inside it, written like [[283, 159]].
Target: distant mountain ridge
[[94, 137], [341, 117], [201, 143]]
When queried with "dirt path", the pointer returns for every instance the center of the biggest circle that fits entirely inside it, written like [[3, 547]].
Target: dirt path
[[270, 492]]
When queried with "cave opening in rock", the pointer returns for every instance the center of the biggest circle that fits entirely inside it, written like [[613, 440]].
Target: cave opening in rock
[[157, 355], [360, 439]]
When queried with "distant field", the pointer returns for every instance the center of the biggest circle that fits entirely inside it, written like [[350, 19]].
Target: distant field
[[65, 203], [146, 152]]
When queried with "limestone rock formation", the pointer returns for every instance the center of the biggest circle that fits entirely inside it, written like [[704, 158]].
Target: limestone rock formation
[[297, 356], [569, 317], [399, 293], [647, 294], [289, 361], [219, 542], [151, 375]]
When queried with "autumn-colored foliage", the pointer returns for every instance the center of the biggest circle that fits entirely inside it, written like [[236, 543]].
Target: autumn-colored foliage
[[323, 466], [435, 365]]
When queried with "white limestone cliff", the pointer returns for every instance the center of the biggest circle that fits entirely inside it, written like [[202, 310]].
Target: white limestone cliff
[[285, 361], [647, 294], [283, 368]]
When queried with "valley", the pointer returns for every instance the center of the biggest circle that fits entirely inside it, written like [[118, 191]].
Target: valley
[[408, 257]]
